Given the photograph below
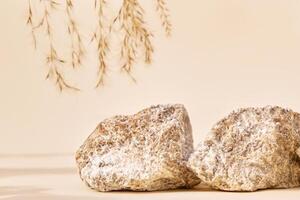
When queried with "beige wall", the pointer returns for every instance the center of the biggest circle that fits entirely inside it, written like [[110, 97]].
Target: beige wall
[[222, 55]]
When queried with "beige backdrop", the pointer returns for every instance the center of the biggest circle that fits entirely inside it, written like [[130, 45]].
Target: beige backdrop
[[222, 55]]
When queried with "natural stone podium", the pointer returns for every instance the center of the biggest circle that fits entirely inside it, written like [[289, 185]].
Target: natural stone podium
[[143, 152], [251, 149]]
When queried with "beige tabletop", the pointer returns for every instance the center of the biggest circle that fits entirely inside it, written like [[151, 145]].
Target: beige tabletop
[[54, 177]]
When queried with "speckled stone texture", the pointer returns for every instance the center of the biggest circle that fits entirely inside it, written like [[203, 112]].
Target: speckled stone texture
[[143, 152], [251, 149]]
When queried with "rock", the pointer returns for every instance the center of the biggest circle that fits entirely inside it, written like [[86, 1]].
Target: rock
[[251, 149], [146, 151]]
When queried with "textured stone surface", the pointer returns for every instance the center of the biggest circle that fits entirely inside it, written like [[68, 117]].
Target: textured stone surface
[[251, 149], [144, 152]]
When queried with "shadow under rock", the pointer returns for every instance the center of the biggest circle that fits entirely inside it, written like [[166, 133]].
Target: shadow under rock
[[204, 188], [198, 188]]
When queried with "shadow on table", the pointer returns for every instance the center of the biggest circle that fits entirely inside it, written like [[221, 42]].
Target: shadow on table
[[31, 193], [36, 155], [10, 172]]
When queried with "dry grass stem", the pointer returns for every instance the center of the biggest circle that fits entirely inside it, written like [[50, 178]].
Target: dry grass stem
[[134, 36], [101, 38], [30, 22], [77, 48], [53, 60], [163, 11]]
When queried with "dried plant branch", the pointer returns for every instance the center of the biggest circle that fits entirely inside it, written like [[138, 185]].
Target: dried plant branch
[[135, 37], [101, 38], [77, 49], [53, 60], [135, 34], [30, 22], [164, 16]]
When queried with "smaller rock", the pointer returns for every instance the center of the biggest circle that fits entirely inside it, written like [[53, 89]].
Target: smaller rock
[[143, 152], [251, 149]]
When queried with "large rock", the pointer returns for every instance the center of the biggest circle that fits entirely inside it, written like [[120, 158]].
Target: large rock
[[251, 149], [144, 152]]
